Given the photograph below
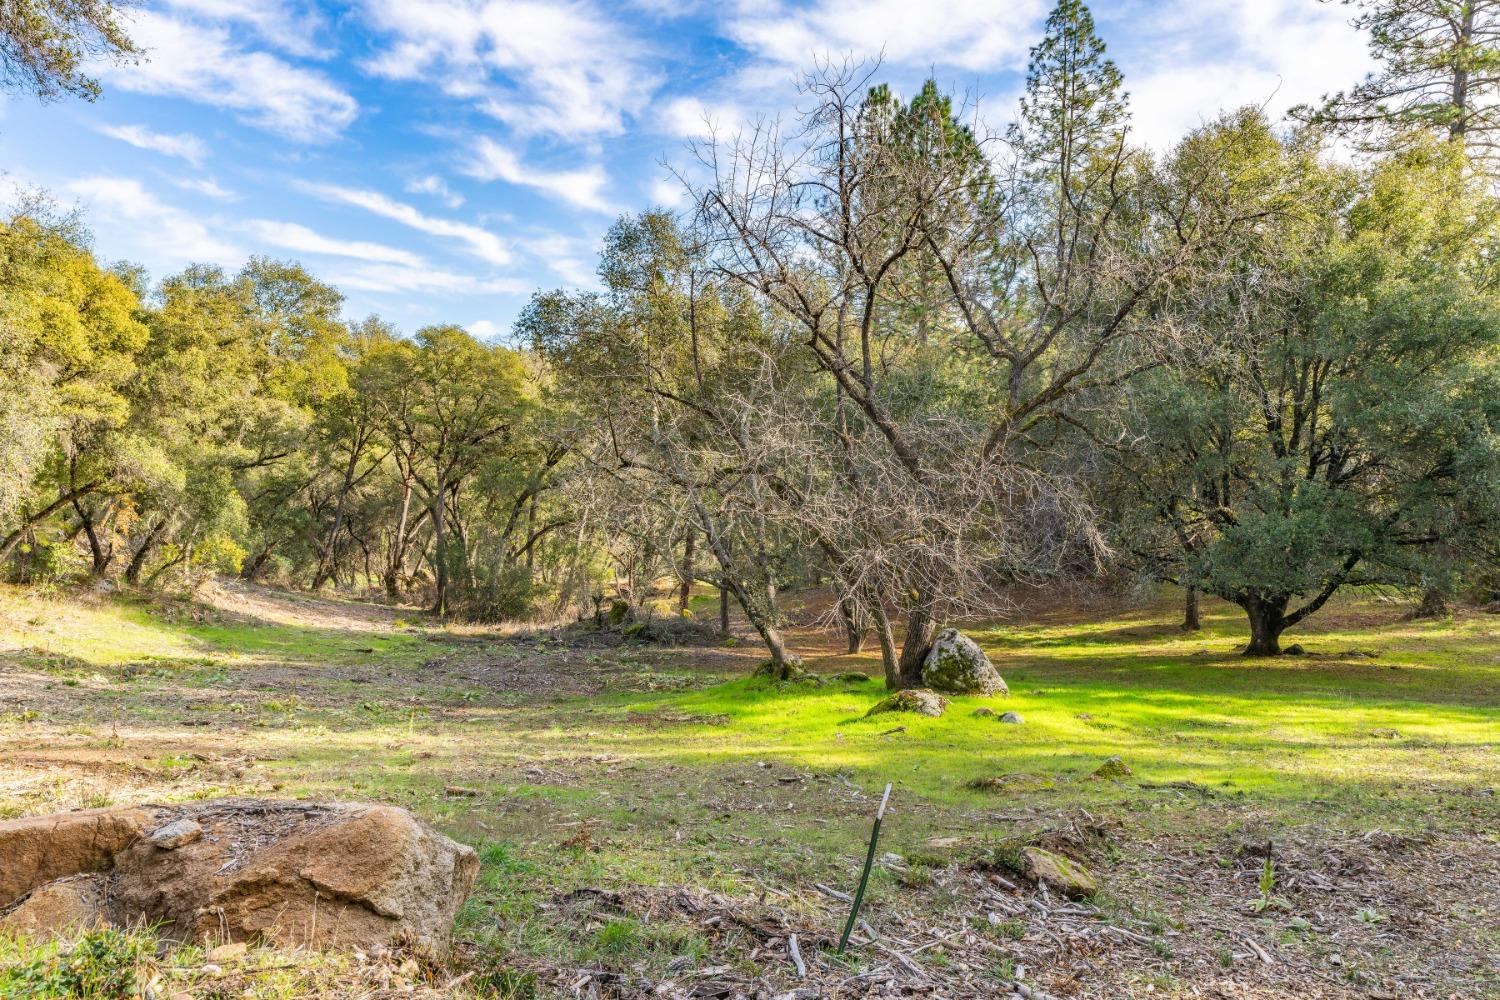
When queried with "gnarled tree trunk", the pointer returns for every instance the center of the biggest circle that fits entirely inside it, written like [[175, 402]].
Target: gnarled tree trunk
[[1267, 621]]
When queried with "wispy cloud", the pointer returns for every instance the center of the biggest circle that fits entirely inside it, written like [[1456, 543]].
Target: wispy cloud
[[1209, 55], [293, 29], [204, 63], [581, 187], [163, 233], [399, 278], [300, 239], [183, 145], [480, 242], [976, 35], [437, 187], [562, 68], [571, 258], [205, 186]]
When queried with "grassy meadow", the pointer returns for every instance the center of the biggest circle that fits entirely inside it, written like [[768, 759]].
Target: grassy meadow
[[635, 769]]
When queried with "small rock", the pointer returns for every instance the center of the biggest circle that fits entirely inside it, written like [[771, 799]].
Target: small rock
[[852, 677], [228, 952], [175, 834], [916, 700], [461, 792], [1059, 873], [1295, 649], [984, 713], [1114, 767], [1012, 718]]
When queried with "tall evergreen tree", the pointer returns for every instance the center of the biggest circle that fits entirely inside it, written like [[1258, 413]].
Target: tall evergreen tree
[[1439, 72]]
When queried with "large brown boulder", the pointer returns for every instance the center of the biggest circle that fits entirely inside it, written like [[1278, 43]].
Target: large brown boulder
[[39, 849], [312, 874], [64, 904]]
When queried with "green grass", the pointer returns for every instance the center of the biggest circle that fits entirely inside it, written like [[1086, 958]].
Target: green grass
[[733, 787]]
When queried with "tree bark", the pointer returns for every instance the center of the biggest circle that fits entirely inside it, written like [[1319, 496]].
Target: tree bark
[[1434, 605], [440, 548], [887, 636], [397, 555], [920, 631], [724, 611], [14, 538], [101, 558], [1190, 620], [685, 593], [138, 560], [1267, 620], [854, 628]]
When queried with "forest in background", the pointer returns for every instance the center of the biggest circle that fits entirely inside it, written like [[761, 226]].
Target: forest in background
[[889, 351]]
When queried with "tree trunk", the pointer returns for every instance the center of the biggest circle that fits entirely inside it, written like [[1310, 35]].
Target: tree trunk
[[724, 611], [14, 538], [1266, 623], [138, 561], [1190, 621], [920, 631], [854, 627], [252, 568], [99, 556], [440, 549], [325, 557], [1434, 605], [685, 594], [887, 636], [397, 556]]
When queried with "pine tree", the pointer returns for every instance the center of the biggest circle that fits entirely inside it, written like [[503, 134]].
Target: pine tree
[[1439, 73]]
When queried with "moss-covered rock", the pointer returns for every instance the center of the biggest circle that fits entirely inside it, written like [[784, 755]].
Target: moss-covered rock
[[792, 672], [1114, 767], [852, 677], [1058, 873], [957, 665], [917, 700]]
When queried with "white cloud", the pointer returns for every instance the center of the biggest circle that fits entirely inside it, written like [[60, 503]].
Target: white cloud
[[205, 186], [299, 238], [977, 35], [437, 187], [204, 64], [580, 187], [572, 259], [695, 118], [290, 30], [484, 329], [667, 192], [1222, 54], [183, 145], [561, 67], [480, 242], [400, 278], [168, 236]]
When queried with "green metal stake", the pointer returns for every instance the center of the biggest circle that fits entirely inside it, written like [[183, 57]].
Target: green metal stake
[[864, 879]]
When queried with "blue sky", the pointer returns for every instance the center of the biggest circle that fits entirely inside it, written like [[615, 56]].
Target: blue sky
[[440, 160]]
